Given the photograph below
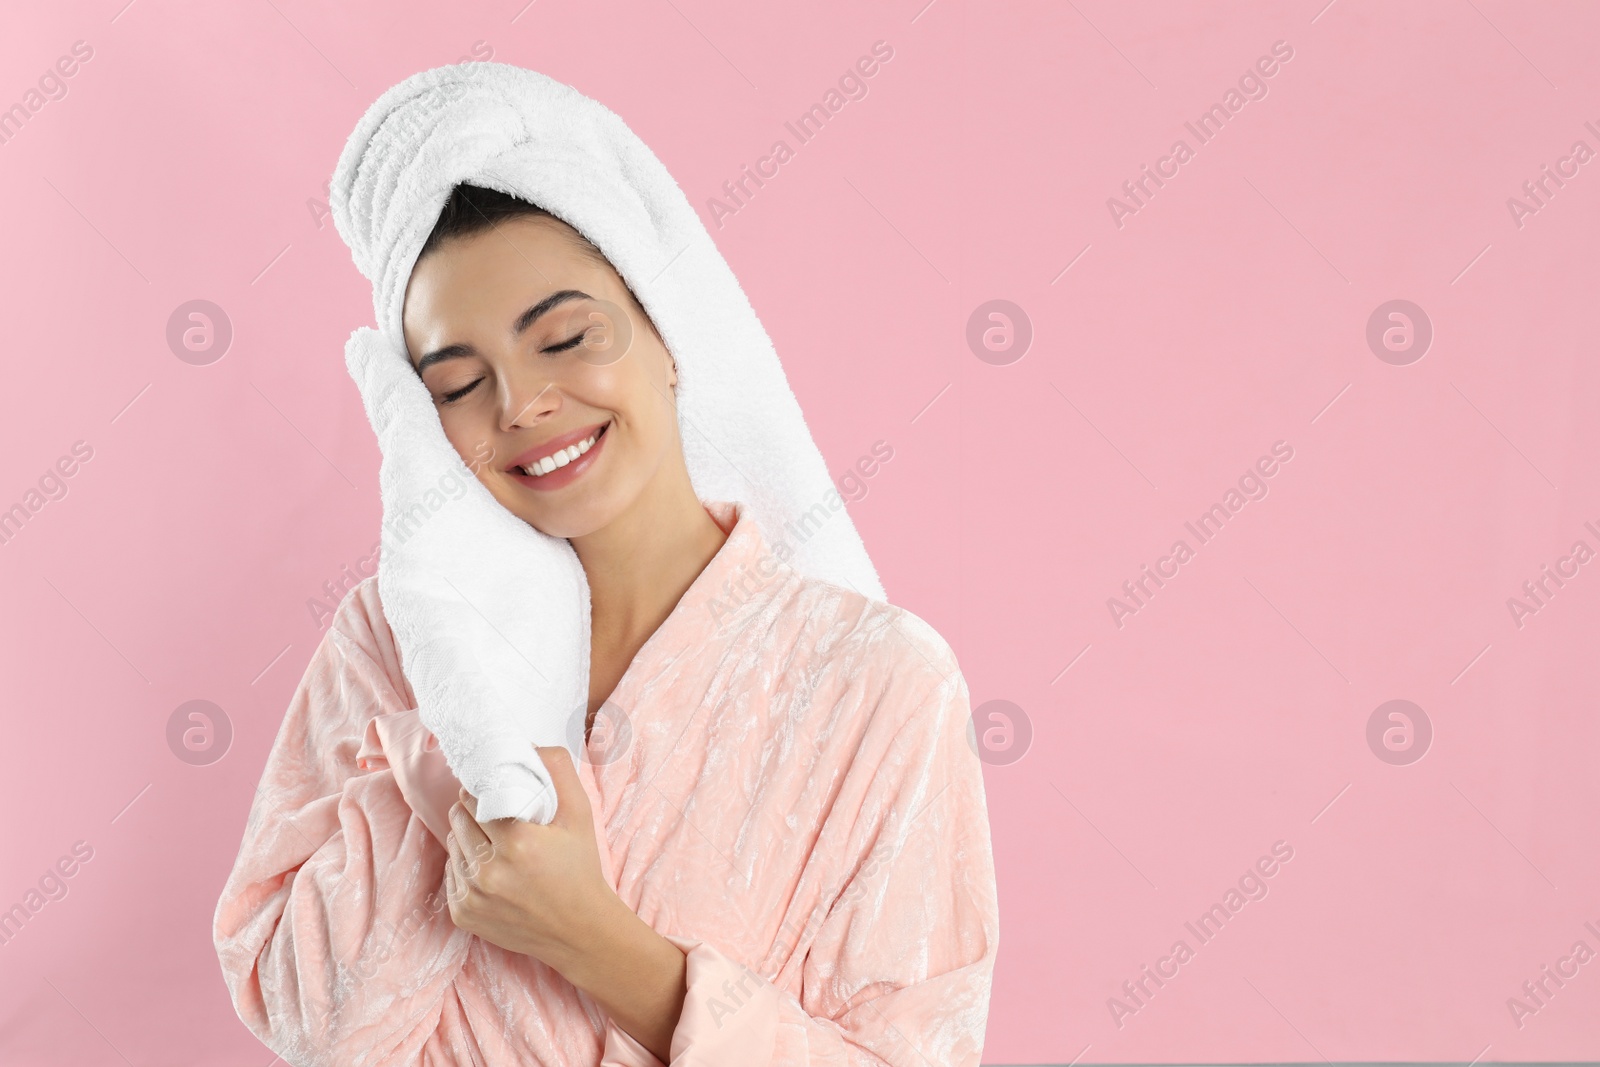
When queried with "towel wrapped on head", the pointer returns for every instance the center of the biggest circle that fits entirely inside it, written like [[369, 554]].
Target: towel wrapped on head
[[492, 616]]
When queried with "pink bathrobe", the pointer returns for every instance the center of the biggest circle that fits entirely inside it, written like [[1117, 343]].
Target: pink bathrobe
[[783, 785]]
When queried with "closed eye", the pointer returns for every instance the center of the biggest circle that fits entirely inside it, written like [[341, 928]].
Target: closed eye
[[567, 344], [564, 346], [451, 398]]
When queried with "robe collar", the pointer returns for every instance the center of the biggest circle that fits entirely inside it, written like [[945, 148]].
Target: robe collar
[[743, 576], [731, 588], [739, 582]]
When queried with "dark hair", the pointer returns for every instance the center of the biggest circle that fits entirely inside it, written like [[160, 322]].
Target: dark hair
[[473, 209]]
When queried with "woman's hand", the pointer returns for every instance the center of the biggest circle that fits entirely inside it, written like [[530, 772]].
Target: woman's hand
[[540, 890], [530, 888]]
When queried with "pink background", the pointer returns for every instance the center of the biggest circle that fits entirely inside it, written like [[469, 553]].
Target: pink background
[[1228, 313]]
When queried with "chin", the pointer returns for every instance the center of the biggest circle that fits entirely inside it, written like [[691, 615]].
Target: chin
[[567, 518]]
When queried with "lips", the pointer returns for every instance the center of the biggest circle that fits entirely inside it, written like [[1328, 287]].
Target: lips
[[560, 443], [559, 475]]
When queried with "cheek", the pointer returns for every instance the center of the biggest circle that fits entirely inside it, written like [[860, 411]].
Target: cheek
[[647, 419], [642, 389]]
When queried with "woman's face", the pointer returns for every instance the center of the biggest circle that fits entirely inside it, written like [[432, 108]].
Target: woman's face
[[530, 348]]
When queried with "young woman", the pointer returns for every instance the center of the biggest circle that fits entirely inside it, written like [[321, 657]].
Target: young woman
[[775, 849]]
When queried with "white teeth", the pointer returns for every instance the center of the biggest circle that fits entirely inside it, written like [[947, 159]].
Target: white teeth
[[559, 459]]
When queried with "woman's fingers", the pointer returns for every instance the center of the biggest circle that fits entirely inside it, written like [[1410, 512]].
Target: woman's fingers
[[571, 800], [454, 889], [471, 840]]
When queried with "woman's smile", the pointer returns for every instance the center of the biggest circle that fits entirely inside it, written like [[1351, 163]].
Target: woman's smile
[[561, 460]]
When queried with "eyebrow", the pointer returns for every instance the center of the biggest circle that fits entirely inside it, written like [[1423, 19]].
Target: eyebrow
[[524, 320]]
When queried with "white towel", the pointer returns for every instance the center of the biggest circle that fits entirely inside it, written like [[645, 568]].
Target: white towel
[[490, 615]]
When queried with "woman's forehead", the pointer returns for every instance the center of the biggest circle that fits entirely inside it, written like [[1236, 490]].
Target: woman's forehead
[[517, 261]]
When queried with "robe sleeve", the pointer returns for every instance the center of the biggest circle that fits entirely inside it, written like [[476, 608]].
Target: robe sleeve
[[333, 931], [900, 969]]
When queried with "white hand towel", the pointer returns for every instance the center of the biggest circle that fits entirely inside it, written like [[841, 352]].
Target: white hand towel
[[490, 615]]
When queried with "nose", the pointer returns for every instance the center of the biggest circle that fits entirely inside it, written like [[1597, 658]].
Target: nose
[[526, 398]]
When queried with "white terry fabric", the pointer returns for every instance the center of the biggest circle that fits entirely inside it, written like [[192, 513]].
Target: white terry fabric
[[490, 615]]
